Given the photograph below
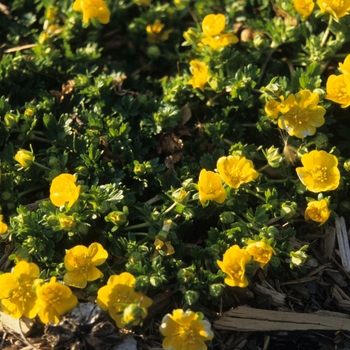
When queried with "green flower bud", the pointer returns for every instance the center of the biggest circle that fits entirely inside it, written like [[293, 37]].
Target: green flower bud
[[153, 52], [289, 210], [117, 218], [227, 217], [299, 257], [132, 313], [10, 120], [82, 170], [274, 158], [347, 165], [6, 195], [191, 297]]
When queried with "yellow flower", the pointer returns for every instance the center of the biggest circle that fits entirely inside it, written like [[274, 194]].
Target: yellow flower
[[338, 89], [345, 67], [272, 108], [260, 251], [304, 7], [81, 263], [18, 297], [337, 8], [210, 187], [200, 74], [93, 9], [220, 41], [317, 211], [155, 33], [3, 226], [63, 189], [213, 25], [301, 114], [236, 171], [24, 157], [118, 294], [185, 331], [320, 172], [233, 264], [54, 300]]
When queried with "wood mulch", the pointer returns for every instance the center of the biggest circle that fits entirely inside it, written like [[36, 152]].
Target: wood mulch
[[299, 310]]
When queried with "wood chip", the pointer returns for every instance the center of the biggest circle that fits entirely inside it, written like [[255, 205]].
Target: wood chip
[[343, 242], [246, 319]]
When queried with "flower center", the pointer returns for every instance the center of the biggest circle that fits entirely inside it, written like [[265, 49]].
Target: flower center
[[315, 214], [51, 295], [336, 4], [319, 173], [23, 292], [187, 333], [236, 271]]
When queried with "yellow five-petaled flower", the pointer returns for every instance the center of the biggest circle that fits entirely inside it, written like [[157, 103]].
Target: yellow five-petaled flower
[[118, 294], [3, 226], [236, 171], [301, 114], [81, 263], [317, 211], [93, 9], [17, 293], [304, 7], [233, 264], [261, 251], [54, 300], [210, 187], [337, 8], [200, 74], [63, 189], [185, 331], [319, 172]]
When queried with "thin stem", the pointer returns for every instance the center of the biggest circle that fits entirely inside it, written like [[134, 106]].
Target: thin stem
[[30, 190], [41, 166], [263, 168], [171, 207], [326, 33], [133, 227], [255, 194]]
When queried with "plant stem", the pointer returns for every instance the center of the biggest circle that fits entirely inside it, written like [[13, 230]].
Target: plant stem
[[30, 190], [326, 33], [41, 166], [263, 168], [133, 227], [255, 194]]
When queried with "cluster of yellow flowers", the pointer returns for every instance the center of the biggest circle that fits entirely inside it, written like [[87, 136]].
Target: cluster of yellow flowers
[[24, 294], [338, 86], [212, 36], [299, 114], [337, 8], [213, 26], [234, 171]]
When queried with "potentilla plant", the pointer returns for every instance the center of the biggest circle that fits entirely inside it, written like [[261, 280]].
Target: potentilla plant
[[149, 147]]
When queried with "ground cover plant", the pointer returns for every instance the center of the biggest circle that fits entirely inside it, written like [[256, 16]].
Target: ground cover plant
[[167, 150]]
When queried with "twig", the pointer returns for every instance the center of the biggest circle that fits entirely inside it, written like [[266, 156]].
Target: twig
[[24, 337]]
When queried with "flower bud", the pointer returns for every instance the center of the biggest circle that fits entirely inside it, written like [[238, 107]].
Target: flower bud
[[153, 52], [24, 157], [289, 210], [132, 313], [299, 257], [10, 120], [191, 297], [347, 165], [6, 195], [67, 223], [274, 158], [117, 218]]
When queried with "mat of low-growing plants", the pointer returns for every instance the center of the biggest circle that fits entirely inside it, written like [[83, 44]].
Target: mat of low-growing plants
[[165, 163]]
